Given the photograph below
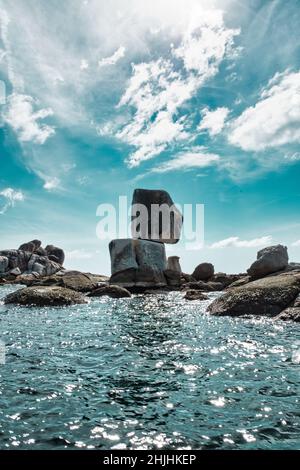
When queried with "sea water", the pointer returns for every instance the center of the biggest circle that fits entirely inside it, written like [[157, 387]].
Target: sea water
[[149, 372]]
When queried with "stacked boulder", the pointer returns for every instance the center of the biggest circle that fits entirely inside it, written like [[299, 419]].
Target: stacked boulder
[[31, 259], [140, 262]]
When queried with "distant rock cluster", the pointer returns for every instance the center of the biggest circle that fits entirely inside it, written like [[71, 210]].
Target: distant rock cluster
[[31, 259]]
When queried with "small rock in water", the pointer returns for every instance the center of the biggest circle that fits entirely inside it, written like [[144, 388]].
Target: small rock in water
[[116, 292], [195, 295]]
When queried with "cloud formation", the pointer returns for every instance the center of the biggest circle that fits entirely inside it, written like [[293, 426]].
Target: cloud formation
[[158, 89], [236, 242], [213, 121], [9, 198], [188, 160], [25, 121], [274, 120], [114, 58]]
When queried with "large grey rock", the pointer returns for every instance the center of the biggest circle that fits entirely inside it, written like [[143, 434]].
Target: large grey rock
[[3, 264], [148, 224], [289, 314], [173, 264], [269, 260], [45, 296], [55, 254], [268, 296], [137, 262], [203, 272], [173, 277], [31, 246]]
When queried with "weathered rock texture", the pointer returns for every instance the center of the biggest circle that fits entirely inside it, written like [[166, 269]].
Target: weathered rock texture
[[203, 272], [173, 264], [148, 224], [137, 263], [116, 292], [268, 296], [45, 296], [30, 258], [269, 260]]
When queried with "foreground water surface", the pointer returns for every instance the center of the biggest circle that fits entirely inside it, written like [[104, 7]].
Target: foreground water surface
[[150, 372]]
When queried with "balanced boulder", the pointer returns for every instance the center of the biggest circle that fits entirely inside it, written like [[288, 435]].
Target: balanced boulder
[[155, 216], [269, 260]]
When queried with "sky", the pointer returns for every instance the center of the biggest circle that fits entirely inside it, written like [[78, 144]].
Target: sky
[[200, 98]]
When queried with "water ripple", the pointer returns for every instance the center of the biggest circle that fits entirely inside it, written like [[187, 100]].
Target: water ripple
[[145, 373]]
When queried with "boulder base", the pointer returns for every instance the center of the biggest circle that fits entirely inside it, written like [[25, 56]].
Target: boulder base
[[137, 263]]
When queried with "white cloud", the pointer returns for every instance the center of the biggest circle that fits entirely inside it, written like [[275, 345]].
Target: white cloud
[[78, 254], [213, 121], [51, 184], [296, 243], [236, 242], [274, 120], [20, 115], [10, 197], [188, 160], [84, 65], [158, 89], [114, 58]]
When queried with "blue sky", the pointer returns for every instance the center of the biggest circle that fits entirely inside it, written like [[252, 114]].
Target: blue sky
[[201, 98]]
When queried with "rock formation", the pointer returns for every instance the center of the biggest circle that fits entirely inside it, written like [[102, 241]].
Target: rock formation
[[269, 260], [30, 259], [140, 262], [45, 296], [203, 272], [173, 264], [155, 216]]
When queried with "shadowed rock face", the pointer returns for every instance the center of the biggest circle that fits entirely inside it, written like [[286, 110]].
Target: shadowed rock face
[[45, 296], [268, 296], [269, 260], [137, 262], [151, 225], [203, 272], [55, 254]]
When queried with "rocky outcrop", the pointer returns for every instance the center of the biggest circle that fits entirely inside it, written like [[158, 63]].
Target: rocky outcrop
[[45, 296], [203, 272], [269, 260], [75, 280], [148, 223], [268, 296], [137, 263], [55, 254], [116, 292], [173, 264], [192, 294], [30, 258]]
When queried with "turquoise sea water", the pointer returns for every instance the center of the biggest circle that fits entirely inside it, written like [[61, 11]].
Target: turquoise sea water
[[145, 373]]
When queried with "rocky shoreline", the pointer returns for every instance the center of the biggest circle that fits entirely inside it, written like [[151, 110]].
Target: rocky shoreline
[[270, 287]]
